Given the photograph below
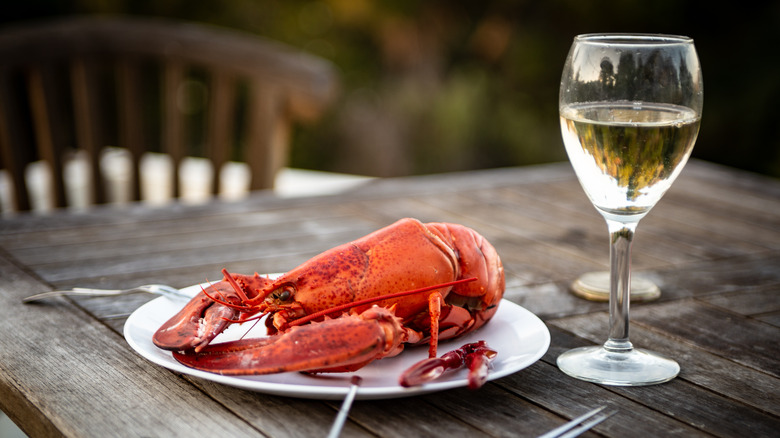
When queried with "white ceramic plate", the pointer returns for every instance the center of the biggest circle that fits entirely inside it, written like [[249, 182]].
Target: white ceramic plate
[[518, 335]]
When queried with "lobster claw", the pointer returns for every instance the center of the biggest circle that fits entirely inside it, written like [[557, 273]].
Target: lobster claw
[[195, 325], [202, 318], [475, 356], [342, 344]]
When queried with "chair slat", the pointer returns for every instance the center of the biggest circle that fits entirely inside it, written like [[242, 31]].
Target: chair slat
[[48, 136], [174, 134], [221, 119], [130, 110], [88, 120], [10, 142], [258, 139]]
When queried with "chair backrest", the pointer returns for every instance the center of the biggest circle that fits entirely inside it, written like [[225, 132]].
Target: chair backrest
[[84, 83]]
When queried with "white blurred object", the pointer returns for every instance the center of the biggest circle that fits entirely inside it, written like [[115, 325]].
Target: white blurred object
[[116, 167], [234, 180], [78, 180], [195, 176], [39, 183], [291, 183], [156, 178], [6, 192]]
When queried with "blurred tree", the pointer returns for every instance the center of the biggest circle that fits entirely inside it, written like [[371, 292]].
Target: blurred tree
[[439, 85]]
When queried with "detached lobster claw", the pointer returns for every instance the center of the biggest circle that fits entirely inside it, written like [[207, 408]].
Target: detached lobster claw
[[475, 356]]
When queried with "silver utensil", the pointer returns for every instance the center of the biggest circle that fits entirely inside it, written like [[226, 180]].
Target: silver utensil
[[338, 424], [157, 289], [570, 429]]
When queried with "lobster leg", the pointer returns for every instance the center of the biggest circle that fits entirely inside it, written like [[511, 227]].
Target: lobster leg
[[341, 344], [434, 309]]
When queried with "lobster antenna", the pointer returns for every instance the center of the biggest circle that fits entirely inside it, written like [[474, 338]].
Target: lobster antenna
[[222, 300], [325, 312], [250, 328], [239, 290]]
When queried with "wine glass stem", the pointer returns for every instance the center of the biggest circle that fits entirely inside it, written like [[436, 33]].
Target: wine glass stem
[[621, 237]]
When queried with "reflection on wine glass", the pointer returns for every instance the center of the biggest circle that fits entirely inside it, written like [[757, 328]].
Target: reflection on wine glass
[[630, 108]]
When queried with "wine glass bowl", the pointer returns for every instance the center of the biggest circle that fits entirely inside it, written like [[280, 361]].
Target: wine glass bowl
[[630, 108]]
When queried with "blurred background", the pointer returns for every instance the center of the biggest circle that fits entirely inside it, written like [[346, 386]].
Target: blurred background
[[438, 86]]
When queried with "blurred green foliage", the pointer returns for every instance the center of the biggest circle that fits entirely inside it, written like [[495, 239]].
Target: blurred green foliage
[[434, 86]]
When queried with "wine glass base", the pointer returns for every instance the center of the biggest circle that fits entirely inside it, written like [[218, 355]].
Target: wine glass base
[[594, 286], [633, 367]]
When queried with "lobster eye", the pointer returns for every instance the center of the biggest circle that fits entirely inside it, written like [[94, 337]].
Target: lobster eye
[[285, 295]]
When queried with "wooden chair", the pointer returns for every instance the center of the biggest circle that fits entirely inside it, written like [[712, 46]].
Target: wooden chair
[[88, 82]]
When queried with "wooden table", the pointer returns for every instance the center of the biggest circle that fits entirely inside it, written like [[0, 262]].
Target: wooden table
[[713, 245]]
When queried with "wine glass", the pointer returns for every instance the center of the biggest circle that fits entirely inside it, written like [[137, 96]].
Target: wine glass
[[630, 108]]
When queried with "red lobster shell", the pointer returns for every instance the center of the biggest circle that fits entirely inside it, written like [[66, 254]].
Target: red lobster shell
[[364, 275]]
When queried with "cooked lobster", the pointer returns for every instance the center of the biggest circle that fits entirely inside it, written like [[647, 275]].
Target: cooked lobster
[[407, 283]]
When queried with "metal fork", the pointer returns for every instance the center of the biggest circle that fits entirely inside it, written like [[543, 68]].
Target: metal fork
[[570, 429], [335, 430], [157, 289]]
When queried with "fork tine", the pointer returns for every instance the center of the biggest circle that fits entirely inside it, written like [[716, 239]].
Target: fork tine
[[74, 291], [559, 431], [157, 289], [588, 425]]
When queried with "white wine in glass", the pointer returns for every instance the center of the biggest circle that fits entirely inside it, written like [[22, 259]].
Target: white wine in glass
[[630, 108]]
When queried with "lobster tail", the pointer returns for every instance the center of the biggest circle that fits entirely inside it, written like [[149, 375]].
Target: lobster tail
[[471, 304]]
